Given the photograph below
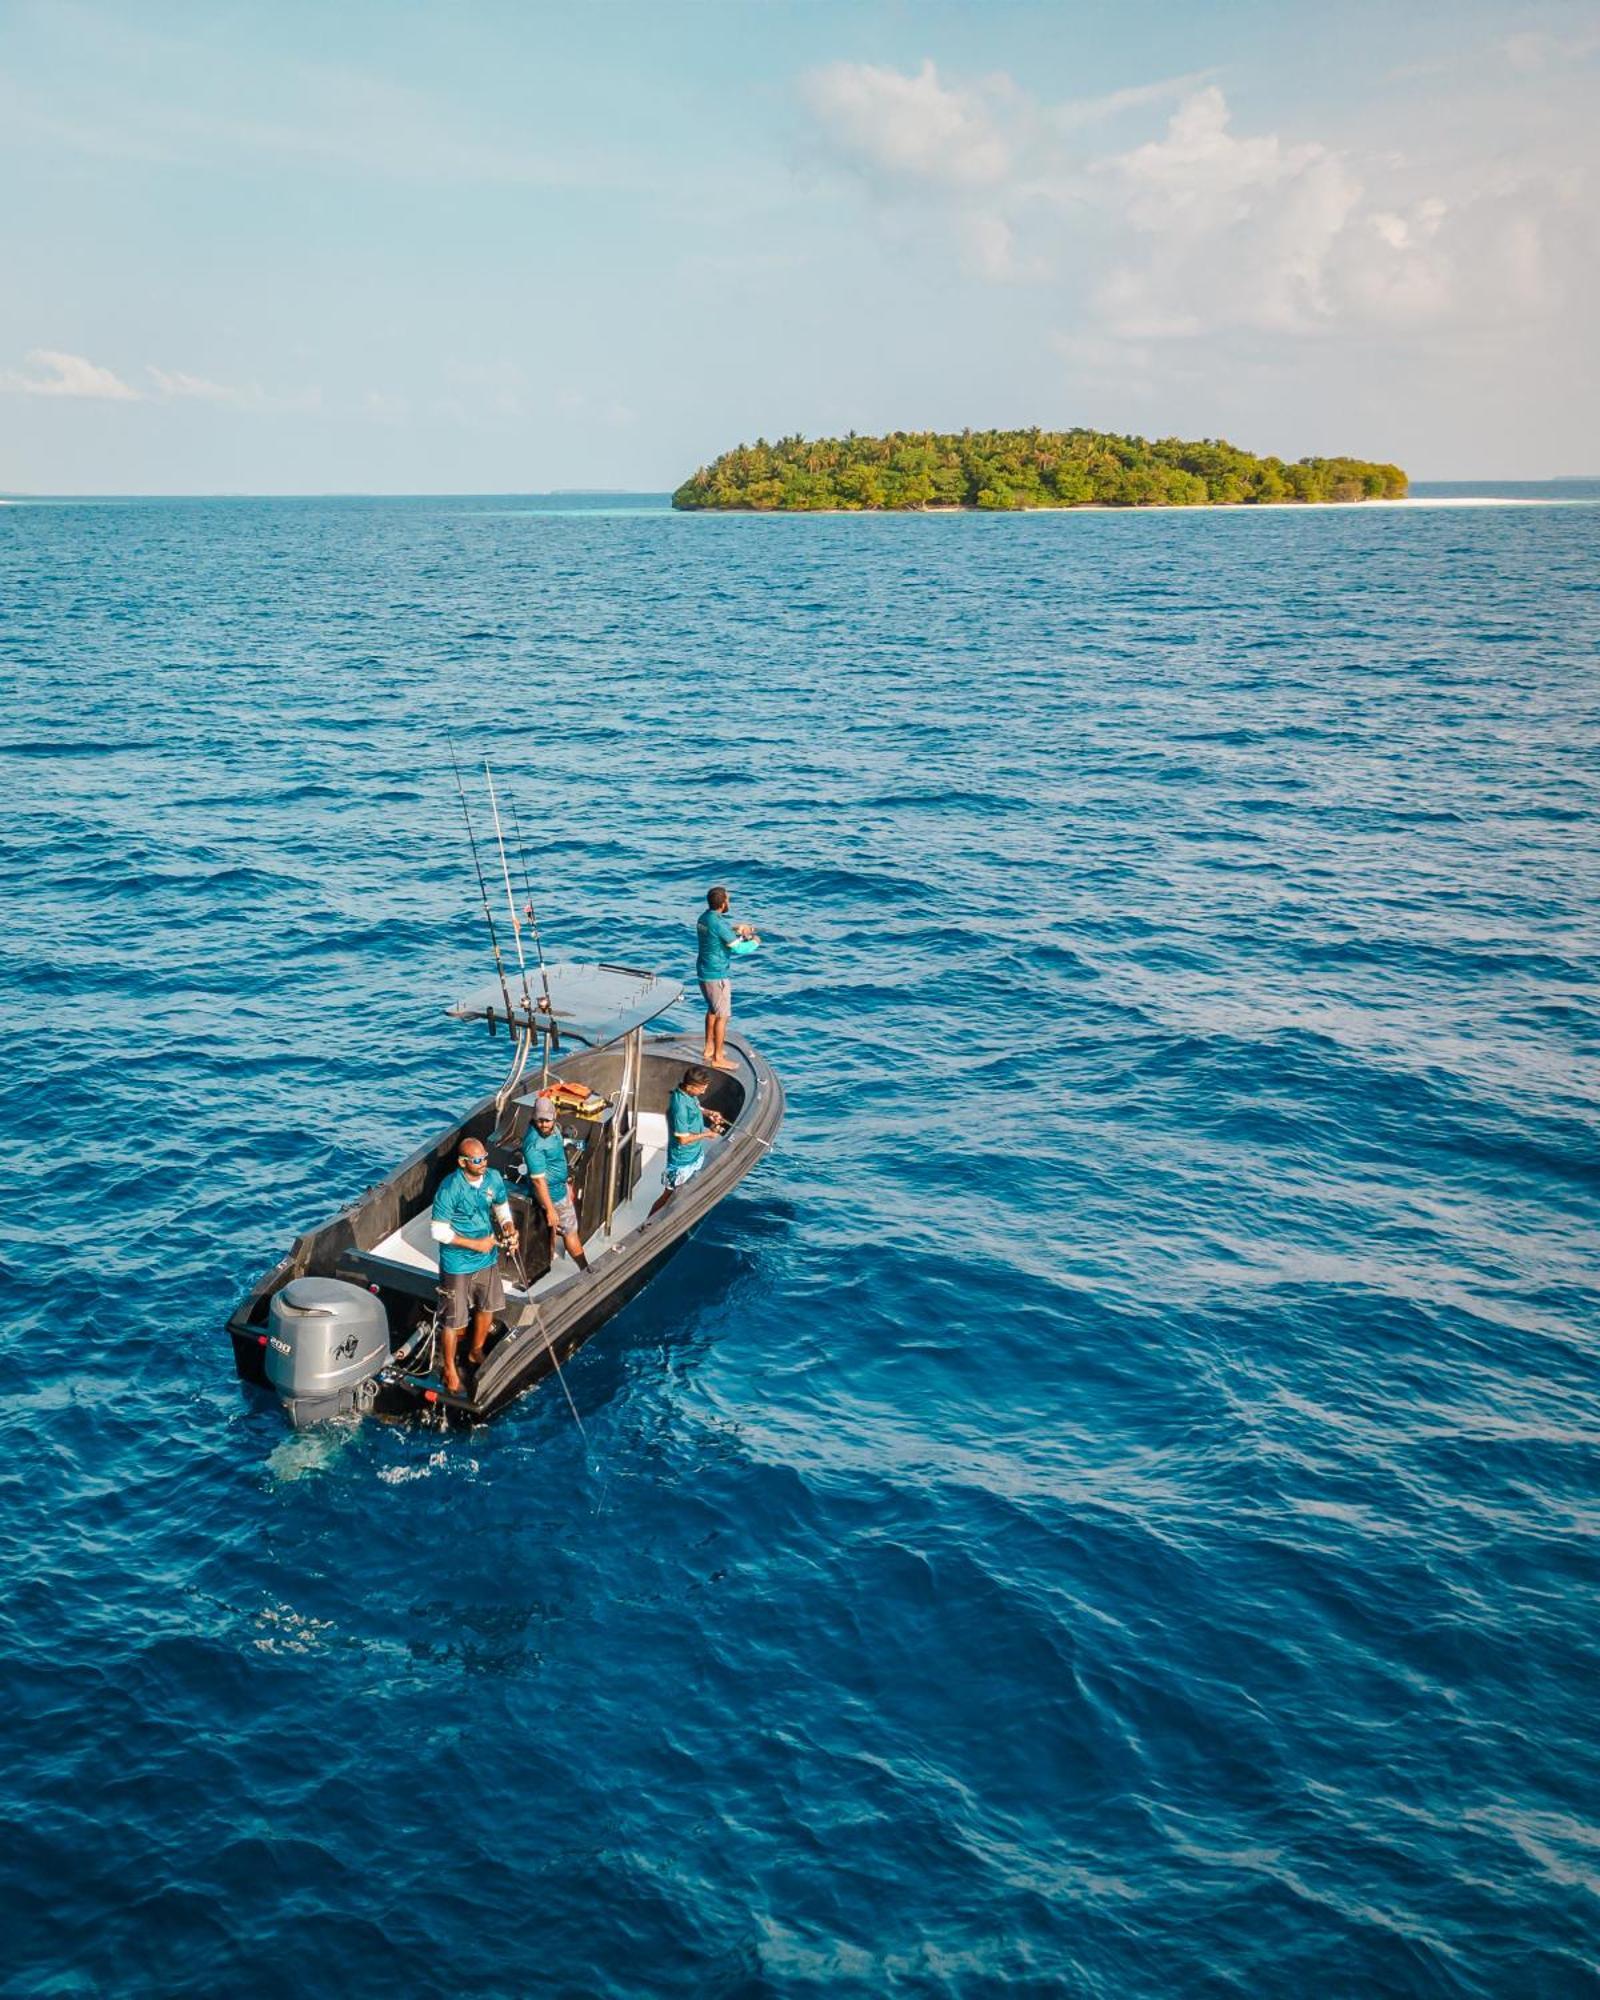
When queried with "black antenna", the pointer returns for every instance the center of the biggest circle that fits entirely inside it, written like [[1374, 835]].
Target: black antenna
[[483, 891]]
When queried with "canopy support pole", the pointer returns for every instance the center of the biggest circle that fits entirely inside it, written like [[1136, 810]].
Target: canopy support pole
[[519, 1062], [621, 1115]]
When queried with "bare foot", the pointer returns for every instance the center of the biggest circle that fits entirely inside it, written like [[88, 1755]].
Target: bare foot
[[452, 1388], [724, 1064], [475, 1360]]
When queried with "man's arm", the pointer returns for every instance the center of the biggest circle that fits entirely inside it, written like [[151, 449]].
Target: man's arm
[[446, 1232], [541, 1188], [713, 1130], [443, 1230]]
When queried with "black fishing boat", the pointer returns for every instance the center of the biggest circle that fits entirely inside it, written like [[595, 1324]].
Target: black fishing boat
[[345, 1324]]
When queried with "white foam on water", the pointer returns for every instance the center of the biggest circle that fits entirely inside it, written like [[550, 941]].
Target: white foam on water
[[305, 1454], [438, 1461], [282, 1629]]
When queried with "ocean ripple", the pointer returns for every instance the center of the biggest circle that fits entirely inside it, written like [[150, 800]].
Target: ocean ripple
[[1108, 1508]]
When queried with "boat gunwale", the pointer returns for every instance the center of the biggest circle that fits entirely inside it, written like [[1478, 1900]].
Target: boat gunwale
[[580, 1296]]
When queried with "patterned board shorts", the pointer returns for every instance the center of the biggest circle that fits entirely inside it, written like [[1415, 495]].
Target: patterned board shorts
[[462, 1293], [676, 1176], [719, 996], [566, 1214]]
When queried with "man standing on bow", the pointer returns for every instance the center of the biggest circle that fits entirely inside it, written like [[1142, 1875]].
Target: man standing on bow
[[715, 935], [471, 1219], [545, 1156]]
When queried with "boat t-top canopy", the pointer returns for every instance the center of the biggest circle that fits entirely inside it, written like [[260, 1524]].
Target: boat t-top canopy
[[592, 1004]]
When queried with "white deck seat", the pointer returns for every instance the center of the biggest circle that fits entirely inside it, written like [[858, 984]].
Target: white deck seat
[[413, 1247]]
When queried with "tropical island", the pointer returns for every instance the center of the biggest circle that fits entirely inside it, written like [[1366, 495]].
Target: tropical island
[[1006, 470]]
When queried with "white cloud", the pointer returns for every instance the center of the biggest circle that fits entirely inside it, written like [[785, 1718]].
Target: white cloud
[[920, 143], [1203, 177], [174, 382], [50, 373], [1236, 231], [177, 385], [908, 129], [1202, 230], [57, 374], [1114, 103]]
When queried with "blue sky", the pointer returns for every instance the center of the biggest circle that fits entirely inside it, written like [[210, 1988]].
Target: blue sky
[[478, 247]]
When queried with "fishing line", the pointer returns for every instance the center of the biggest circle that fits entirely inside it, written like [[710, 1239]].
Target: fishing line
[[522, 1273]]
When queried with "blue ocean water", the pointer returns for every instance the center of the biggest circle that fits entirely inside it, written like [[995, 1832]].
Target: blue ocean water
[[1109, 1508]]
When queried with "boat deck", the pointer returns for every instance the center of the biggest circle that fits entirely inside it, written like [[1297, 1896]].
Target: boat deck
[[413, 1249]]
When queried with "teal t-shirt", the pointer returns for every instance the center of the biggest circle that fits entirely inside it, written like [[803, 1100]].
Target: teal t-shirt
[[683, 1115], [716, 934], [468, 1210], [543, 1153]]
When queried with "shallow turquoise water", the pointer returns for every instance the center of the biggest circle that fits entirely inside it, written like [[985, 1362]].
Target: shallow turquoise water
[[1109, 1508]]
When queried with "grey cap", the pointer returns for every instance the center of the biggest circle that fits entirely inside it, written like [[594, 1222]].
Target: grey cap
[[543, 1107]]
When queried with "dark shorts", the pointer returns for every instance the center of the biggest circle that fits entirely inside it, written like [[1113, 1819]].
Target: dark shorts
[[462, 1293], [719, 996]]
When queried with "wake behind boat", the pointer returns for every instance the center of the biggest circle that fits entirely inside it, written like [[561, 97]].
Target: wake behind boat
[[349, 1322]]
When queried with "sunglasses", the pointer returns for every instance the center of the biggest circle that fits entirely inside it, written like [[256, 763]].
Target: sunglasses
[[474, 1159]]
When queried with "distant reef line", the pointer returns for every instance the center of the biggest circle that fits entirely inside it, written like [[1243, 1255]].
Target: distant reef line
[[1008, 471]]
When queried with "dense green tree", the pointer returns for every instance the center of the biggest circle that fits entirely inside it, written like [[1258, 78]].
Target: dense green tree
[[1004, 470]]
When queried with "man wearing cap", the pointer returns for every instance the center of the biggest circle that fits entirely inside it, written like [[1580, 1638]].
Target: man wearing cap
[[545, 1157], [715, 934], [471, 1219]]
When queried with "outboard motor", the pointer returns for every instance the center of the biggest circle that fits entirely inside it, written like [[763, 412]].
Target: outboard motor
[[326, 1340]]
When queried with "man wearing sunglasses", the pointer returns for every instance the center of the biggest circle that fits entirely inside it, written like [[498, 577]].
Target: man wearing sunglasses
[[471, 1219]]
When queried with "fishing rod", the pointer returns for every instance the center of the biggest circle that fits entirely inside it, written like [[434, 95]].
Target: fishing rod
[[554, 1041], [528, 909], [483, 890], [511, 901], [522, 1273]]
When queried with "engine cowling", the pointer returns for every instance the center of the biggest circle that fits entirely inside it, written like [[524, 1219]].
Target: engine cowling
[[326, 1340]]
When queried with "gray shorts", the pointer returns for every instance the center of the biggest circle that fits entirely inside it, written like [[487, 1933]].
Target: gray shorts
[[462, 1293], [719, 996], [566, 1214]]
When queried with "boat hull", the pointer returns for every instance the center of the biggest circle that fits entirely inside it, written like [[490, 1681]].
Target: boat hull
[[542, 1331]]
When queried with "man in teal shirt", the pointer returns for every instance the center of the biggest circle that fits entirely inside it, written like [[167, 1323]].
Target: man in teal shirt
[[688, 1128], [545, 1156], [471, 1219], [715, 935]]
